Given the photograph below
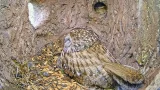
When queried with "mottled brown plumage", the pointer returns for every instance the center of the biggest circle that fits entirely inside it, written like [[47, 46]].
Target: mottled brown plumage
[[87, 60]]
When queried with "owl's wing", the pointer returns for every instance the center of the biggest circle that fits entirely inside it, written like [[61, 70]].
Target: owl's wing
[[84, 54], [128, 74], [88, 61]]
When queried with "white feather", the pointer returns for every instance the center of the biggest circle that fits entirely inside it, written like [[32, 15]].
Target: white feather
[[37, 14]]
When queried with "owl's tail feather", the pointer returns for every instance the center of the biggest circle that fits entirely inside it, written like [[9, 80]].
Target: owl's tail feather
[[128, 74]]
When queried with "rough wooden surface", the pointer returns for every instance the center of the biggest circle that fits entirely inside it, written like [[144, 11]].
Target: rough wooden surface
[[129, 30]]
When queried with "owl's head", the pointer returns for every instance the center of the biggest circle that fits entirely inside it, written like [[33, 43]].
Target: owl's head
[[79, 39]]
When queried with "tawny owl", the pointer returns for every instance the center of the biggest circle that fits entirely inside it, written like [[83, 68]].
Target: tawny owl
[[85, 59]]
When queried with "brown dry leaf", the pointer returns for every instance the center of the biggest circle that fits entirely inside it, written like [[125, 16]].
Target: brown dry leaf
[[45, 74]]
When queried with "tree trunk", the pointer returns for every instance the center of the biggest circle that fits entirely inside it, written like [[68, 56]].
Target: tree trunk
[[129, 29]]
